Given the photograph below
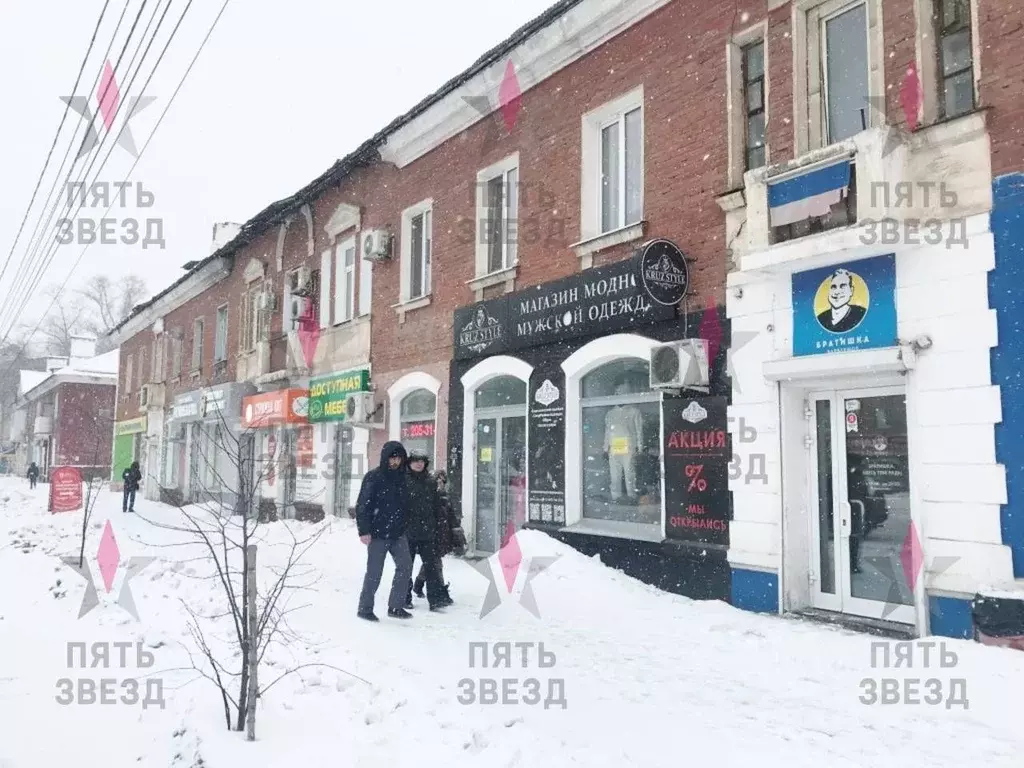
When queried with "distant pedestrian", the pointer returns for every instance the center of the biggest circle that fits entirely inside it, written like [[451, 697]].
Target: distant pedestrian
[[132, 478], [33, 475], [381, 520], [426, 511]]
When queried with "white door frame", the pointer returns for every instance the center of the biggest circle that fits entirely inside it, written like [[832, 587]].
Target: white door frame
[[843, 600]]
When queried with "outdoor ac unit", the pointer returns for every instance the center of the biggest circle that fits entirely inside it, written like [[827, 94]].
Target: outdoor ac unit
[[377, 245], [360, 408], [266, 301], [299, 306], [680, 365], [300, 281]]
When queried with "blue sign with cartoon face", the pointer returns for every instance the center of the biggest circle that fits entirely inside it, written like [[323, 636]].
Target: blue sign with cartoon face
[[845, 307]]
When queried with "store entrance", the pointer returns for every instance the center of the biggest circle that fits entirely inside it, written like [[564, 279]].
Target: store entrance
[[860, 503], [500, 456]]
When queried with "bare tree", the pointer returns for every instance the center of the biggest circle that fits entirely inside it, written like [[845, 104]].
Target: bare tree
[[102, 422], [225, 521], [64, 319], [110, 302]]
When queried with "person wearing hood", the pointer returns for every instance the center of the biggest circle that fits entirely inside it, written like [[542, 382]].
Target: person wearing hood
[[33, 474], [132, 478], [426, 511], [382, 519]]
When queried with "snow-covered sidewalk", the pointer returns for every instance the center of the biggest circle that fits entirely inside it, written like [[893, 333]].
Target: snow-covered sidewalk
[[650, 679]]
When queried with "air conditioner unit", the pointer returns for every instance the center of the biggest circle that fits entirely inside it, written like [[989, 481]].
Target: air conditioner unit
[[361, 409], [680, 365], [266, 301], [377, 245], [300, 281], [298, 308]]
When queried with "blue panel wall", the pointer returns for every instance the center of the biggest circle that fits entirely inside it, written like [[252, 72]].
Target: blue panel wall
[[949, 617], [755, 591], [1006, 296]]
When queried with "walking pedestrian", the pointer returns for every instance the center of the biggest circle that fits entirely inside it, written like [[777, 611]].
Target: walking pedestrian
[[132, 478], [33, 474], [425, 513], [450, 539], [381, 520]]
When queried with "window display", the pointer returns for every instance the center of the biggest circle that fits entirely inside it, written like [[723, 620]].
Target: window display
[[621, 444], [417, 415]]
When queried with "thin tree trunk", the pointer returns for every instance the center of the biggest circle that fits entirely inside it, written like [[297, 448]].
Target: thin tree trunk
[[250, 704]]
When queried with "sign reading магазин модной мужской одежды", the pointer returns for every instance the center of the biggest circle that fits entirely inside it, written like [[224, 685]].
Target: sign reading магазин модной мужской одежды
[[642, 289]]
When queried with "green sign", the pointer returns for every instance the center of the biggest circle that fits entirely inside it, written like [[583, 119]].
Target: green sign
[[130, 427], [327, 393]]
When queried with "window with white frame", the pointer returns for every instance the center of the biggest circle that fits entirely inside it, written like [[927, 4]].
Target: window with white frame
[[159, 344], [955, 57], [613, 166], [844, 52], [754, 104], [128, 374], [418, 420], [252, 321], [417, 239], [220, 350], [497, 216], [345, 280], [198, 331], [176, 349]]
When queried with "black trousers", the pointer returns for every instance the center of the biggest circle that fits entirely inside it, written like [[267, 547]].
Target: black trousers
[[421, 577], [428, 554], [129, 500], [31, 482]]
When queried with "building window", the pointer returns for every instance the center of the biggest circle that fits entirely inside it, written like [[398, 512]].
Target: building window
[[345, 281], [159, 366], [613, 166], [252, 321], [621, 420], [197, 344], [754, 104], [497, 216], [956, 60], [417, 419], [221, 342], [128, 370], [845, 64], [417, 238], [142, 367], [176, 345], [501, 391]]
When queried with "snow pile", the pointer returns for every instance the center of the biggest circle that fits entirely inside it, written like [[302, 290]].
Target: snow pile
[[650, 679]]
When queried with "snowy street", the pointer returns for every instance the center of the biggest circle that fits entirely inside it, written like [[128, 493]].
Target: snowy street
[[642, 669]]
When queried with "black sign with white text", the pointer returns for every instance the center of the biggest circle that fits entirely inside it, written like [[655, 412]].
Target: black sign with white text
[[547, 444]]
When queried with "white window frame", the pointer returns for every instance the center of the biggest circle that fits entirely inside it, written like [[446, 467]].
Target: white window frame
[[129, 366], [509, 225], [421, 208], [810, 98], [198, 343], [736, 100], [159, 344], [345, 281], [593, 123], [220, 340]]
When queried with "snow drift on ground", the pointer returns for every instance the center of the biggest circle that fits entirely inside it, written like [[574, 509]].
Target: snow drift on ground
[[651, 679]]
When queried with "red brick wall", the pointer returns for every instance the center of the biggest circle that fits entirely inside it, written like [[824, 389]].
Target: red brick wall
[[82, 427], [1001, 30]]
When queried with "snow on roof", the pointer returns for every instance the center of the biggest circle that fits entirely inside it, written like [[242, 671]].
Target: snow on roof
[[102, 365], [31, 380]]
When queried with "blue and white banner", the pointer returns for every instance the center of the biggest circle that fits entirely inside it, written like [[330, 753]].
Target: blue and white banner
[[810, 194]]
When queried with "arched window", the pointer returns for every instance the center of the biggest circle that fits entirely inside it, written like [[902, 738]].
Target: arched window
[[417, 417], [621, 423], [500, 391]]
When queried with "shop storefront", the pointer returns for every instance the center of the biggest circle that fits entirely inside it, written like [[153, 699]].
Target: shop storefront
[[342, 447], [285, 463], [222, 450], [553, 422], [129, 446], [183, 481]]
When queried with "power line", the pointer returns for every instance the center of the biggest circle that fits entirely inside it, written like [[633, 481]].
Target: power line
[[56, 136], [160, 120]]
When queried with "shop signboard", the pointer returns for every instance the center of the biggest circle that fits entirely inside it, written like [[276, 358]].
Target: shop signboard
[[187, 407], [596, 302], [282, 406], [327, 394], [697, 451], [65, 489], [845, 307], [547, 441], [130, 426]]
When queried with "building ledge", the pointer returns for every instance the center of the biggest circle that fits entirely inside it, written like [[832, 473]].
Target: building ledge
[[404, 307], [506, 277], [616, 530], [586, 249]]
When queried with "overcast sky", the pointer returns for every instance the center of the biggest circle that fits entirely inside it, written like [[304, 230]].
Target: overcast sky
[[282, 89]]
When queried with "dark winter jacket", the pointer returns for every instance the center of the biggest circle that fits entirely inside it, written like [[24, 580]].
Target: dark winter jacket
[[132, 477], [451, 521], [33, 471], [425, 506], [383, 505]]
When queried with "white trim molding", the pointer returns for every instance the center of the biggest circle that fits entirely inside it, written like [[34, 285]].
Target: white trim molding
[[547, 51], [344, 218], [397, 391], [581, 362], [405, 268], [472, 380]]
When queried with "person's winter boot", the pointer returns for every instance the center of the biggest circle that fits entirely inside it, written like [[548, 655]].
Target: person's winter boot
[[367, 616], [446, 598], [399, 613], [417, 588], [437, 607]]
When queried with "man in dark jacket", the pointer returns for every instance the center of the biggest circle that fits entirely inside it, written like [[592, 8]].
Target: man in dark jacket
[[33, 474], [382, 519], [425, 513], [131, 477]]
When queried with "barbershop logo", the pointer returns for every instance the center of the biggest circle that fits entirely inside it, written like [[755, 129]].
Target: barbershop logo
[[480, 332], [108, 98], [108, 560]]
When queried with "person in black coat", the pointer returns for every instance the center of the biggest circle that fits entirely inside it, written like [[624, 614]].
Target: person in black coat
[[450, 538], [132, 478], [426, 511], [32, 475], [382, 518]]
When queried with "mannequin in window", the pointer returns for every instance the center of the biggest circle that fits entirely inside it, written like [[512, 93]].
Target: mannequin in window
[[623, 436]]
